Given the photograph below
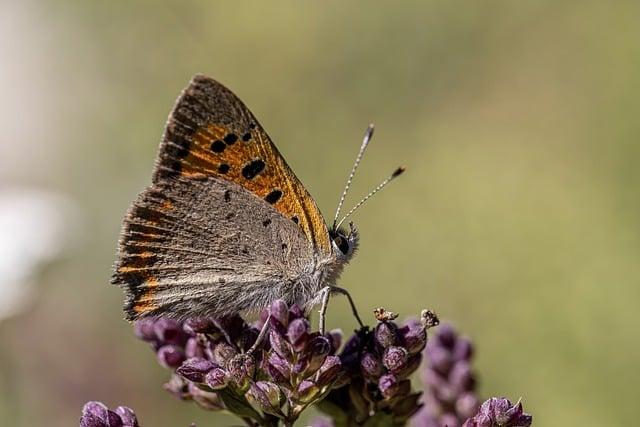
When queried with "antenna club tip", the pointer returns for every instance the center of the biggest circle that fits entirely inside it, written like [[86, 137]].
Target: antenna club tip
[[369, 133], [398, 172]]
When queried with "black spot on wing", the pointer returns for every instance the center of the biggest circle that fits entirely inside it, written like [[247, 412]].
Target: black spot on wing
[[218, 146], [227, 196], [231, 138], [223, 168], [253, 168], [273, 196]]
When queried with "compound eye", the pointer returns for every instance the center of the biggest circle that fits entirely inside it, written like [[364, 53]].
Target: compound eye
[[342, 244]]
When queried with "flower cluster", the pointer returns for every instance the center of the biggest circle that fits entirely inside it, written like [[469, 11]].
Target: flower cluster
[[224, 363], [499, 412], [378, 364], [450, 384], [96, 414], [215, 366]]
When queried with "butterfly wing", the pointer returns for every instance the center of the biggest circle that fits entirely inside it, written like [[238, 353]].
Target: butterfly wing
[[212, 133], [226, 225]]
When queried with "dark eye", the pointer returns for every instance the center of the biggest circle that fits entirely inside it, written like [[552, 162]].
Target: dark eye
[[342, 244]]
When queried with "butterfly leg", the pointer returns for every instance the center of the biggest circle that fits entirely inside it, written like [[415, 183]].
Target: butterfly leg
[[354, 310], [326, 292], [261, 336]]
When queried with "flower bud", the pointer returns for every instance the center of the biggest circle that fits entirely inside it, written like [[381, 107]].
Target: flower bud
[[298, 333], [144, 330], [96, 414], [279, 312], [127, 416], [467, 405], [388, 385], [440, 359], [395, 358], [280, 345], [307, 391], [222, 353], [371, 366], [414, 337], [329, 371], [317, 350], [241, 369], [95, 408], [170, 356], [265, 396], [112, 420], [216, 378], [413, 363], [500, 412], [446, 336], [504, 413], [169, 331], [461, 377], [295, 312], [91, 420], [195, 369], [279, 369], [386, 334]]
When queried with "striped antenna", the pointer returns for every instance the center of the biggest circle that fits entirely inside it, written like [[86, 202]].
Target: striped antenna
[[383, 184], [365, 142]]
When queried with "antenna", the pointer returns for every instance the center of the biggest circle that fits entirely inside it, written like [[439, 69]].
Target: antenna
[[365, 142], [380, 186]]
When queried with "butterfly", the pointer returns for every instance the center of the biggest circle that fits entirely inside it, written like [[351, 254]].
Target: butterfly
[[225, 225]]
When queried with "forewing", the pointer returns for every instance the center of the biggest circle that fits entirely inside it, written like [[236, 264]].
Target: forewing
[[211, 133]]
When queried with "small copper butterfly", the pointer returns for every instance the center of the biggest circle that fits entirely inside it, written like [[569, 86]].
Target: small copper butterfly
[[225, 226]]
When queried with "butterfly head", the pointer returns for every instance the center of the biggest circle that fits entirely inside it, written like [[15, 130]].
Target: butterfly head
[[344, 242]]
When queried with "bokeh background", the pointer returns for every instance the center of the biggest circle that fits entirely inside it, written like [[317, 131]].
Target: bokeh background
[[518, 218]]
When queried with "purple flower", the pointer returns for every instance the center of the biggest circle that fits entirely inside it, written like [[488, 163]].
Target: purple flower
[[195, 369], [291, 369], [265, 396], [376, 366], [450, 383], [96, 414], [499, 412], [217, 364]]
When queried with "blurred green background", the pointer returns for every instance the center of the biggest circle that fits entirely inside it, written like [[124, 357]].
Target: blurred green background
[[518, 218]]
